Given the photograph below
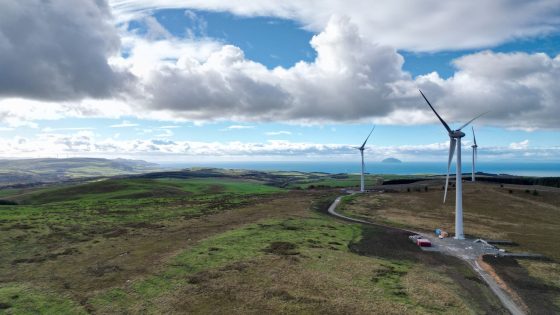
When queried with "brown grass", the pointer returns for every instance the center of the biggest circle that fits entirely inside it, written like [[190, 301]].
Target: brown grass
[[103, 263], [340, 283], [490, 211]]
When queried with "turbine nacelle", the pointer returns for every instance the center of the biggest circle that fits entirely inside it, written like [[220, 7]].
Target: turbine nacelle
[[456, 134], [362, 148]]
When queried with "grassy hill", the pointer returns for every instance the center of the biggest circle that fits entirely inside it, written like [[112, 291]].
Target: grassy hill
[[190, 243], [529, 215], [211, 240], [25, 171]]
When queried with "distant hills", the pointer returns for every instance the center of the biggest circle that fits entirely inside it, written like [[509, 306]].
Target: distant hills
[[391, 160], [26, 171]]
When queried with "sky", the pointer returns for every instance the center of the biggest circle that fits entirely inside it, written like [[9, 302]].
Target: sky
[[233, 80]]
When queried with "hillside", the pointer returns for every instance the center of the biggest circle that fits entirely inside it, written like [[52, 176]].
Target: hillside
[[206, 240], [25, 171], [183, 242]]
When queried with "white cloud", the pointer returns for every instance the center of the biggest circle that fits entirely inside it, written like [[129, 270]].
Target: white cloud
[[518, 88], [163, 148], [124, 124], [522, 145], [237, 127], [51, 129], [347, 81], [19, 112], [278, 133], [154, 30], [353, 79], [406, 24], [356, 76]]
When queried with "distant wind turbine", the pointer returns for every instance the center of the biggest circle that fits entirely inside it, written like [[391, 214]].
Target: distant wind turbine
[[454, 142], [474, 155], [362, 184]]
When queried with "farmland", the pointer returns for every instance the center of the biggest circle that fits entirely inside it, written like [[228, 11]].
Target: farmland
[[50, 170]]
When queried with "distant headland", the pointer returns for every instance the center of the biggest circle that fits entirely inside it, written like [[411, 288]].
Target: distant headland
[[391, 160]]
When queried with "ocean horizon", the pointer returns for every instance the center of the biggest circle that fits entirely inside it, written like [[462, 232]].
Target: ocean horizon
[[539, 169]]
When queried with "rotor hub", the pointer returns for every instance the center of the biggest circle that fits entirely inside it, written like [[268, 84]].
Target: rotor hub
[[456, 134]]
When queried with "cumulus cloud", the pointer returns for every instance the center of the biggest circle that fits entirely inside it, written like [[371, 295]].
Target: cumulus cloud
[[356, 76], [161, 148], [353, 79], [347, 81], [519, 89], [56, 50], [412, 25]]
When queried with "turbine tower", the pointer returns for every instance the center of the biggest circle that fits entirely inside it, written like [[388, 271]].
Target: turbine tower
[[362, 184], [474, 155], [454, 142]]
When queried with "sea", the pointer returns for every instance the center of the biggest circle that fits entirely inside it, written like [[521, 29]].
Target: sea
[[539, 169]]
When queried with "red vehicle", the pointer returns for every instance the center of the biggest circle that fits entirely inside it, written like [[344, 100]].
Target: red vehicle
[[422, 242]]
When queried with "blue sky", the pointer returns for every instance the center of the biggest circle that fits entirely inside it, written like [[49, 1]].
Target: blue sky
[[300, 84]]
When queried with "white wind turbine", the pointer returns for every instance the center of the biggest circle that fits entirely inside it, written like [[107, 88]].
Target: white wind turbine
[[362, 184], [474, 155], [454, 142]]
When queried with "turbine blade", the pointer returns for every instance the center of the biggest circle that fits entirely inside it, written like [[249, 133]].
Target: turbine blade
[[438, 116], [470, 121], [363, 145], [452, 145], [473, 135]]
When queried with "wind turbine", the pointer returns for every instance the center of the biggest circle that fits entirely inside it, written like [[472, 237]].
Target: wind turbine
[[362, 185], [474, 155], [454, 142]]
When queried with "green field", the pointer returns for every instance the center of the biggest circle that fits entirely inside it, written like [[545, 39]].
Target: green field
[[28, 171], [198, 245]]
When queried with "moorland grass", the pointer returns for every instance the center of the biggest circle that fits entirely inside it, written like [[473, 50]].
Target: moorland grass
[[318, 247], [490, 211], [22, 299], [299, 263]]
